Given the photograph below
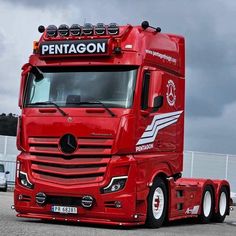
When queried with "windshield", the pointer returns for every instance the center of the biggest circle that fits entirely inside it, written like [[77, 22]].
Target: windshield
[[68, 87], [2, 168]]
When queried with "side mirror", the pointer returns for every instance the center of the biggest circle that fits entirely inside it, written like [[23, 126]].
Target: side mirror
[[7, 172], [157, 103], [37, 73]]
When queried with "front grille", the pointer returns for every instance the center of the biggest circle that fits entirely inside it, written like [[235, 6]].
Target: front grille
[[86, 146], [86, 165], [63, 201]]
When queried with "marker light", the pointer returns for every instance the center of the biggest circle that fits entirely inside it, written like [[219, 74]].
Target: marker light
[[100, 29], [75, 30], [63, 30], [51, 31], [113, 28], [88, 29], [35, 47]]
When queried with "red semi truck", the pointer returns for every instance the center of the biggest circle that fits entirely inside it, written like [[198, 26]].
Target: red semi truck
[[102, 130]]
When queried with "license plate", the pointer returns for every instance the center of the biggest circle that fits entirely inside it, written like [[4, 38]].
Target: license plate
[[64, 209]]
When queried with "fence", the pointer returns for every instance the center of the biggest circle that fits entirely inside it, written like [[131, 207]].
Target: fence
[[210, 165], [196, 164]]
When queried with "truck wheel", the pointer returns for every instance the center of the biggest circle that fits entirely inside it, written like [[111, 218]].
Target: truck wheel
[[157, 204], [207, 205], [223, 205]]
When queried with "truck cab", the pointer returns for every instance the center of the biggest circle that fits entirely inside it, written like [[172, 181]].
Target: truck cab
[[102, 122]]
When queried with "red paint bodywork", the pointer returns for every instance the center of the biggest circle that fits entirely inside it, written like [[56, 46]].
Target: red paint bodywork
[[109, 143]]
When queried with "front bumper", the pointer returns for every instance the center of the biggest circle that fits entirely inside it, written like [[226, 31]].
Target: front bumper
[[3, 185], [103, 210]]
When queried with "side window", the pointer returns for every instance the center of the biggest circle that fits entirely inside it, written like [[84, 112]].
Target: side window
[[145, 90]]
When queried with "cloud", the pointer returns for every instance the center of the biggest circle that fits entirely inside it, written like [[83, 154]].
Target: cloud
[[210, 52], [2, 44], [41, 3], [212, 134]]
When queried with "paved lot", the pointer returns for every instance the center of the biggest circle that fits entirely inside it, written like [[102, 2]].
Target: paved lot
[[11, 225]]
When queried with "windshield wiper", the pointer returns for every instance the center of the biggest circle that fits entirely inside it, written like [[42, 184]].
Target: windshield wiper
[[95, 102], [49, 103]]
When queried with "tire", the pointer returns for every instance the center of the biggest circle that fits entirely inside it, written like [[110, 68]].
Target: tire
[[5, 189], [223, 205], [207, 205], [157, 204]]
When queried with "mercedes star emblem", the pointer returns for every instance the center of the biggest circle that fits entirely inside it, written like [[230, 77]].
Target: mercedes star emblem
[[68, 143]]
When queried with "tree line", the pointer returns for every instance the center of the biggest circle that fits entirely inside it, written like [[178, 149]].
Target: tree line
[[8, 124]]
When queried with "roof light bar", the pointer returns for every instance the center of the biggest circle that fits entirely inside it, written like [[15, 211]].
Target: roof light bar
[[63, 30], [113, 29], [51, 31], [76, 30]]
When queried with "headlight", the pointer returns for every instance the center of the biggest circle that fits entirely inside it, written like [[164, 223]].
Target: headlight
[[25, 181], [116, 184]]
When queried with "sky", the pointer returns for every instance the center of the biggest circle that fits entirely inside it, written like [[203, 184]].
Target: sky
[[207, 25]]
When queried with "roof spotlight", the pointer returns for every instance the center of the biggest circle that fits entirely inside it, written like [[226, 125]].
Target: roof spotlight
[[75, 30], [63, 30], [113, 28], [88, 29], [100, 29], [51, 31]]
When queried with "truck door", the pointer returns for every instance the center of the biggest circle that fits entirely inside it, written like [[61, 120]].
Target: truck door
[[156, 131]]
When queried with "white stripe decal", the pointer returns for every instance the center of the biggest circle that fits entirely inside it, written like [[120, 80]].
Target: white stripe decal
[[157, 117], [159, 122], [162, 121]]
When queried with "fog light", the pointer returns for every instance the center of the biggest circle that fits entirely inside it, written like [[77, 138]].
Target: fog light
[[116, 184], [118, 204], [25, 181], [41, 198], [87, 201]]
